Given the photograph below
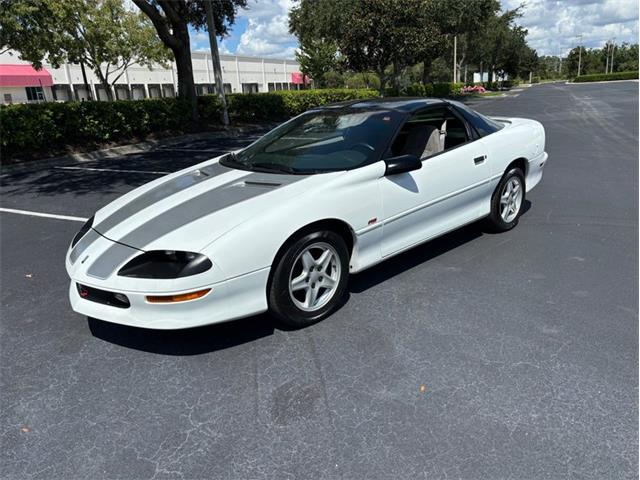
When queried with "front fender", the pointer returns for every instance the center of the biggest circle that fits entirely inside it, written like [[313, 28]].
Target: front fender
[[353, 198]]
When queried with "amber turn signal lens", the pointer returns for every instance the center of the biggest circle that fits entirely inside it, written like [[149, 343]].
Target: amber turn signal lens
[[178, 298]]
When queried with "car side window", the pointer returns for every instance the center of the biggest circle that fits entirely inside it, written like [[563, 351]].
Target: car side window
[[430, 132]]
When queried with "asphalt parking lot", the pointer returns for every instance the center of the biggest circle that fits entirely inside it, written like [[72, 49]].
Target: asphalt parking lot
[[511, 356]]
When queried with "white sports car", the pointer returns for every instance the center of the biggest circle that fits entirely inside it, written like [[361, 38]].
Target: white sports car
[[280, 224]]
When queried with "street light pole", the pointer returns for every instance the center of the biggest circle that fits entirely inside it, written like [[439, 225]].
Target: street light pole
[[215, 59], [613, 50], [455, 58], [579, 54]]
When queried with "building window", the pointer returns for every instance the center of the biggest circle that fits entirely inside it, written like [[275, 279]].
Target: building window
[[271, 87], [61, 93], [122, 92], [154, 90], [249, 88], [167, 90], [35, 94], [204, 89], [101, 93], [138, 92], [227, 88], [7, 98]]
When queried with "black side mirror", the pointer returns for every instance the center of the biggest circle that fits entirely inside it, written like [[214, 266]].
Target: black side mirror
[[402, 164]]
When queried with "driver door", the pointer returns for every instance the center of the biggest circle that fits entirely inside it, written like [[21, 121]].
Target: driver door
[[446, 192]]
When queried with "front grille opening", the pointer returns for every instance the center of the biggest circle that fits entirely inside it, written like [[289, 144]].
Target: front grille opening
[[102, 296]]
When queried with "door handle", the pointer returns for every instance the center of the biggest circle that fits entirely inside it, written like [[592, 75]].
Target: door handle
[[480, 159]]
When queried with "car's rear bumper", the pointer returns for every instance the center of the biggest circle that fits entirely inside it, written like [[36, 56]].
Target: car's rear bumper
[[235, 298]]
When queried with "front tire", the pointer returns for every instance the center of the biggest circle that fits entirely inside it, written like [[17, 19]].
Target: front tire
[[507, 201], [310, 279]]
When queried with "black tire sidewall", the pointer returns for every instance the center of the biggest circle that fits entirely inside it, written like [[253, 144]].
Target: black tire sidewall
[[495, 217], [280, 302]]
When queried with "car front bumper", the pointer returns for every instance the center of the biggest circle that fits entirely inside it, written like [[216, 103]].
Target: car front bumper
[[228, 300]]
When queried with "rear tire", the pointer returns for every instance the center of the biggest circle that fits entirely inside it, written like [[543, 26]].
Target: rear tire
[[309, 279], [507, 201]]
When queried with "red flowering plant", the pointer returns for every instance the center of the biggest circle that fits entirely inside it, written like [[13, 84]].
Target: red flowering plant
[[473, 89]]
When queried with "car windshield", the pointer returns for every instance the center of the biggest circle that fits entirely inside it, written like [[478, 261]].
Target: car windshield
[[321, 141]]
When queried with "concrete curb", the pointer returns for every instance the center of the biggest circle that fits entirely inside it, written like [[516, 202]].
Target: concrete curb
[[602, 81]]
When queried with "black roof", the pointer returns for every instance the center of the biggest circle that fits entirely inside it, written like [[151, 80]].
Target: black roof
[[401, 104]]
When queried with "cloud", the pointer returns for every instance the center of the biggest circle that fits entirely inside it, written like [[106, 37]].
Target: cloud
[[554, 26], [262, 29], [267, 32]]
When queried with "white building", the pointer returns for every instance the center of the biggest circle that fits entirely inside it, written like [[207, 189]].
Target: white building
[[20, 83]]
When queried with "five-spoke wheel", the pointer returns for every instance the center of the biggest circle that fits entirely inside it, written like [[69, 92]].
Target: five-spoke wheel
[[507, 201], [511, 199], [314, 276], [309, 278]]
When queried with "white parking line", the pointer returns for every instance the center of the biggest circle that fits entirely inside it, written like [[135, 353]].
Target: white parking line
[[153, 172], [45, 215]]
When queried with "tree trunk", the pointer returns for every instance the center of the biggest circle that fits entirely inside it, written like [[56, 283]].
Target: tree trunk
[[383, 81], [215, 59], [182, 54], [86, 83], [426, 71], [108, 89], [105, 84]]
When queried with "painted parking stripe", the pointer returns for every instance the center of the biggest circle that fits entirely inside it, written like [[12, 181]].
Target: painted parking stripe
[[153, 172], [45, 215]]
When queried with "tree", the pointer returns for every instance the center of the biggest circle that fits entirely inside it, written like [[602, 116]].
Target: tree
[[37, 29], [101, 34], [495, 44], [171, 19], [112, 38], [464, 19], [370, 35], [317, 57]]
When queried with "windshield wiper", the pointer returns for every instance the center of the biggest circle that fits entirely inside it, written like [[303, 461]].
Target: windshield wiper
[[272, 167], [231, 160]]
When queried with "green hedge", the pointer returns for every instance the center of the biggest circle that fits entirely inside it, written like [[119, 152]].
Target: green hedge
[[32, 128], [50, 128], [285, 104], [603, 77], [445, 89]]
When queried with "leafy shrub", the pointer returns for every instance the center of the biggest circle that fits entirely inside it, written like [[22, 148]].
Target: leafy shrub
[[447, 89], [363, 80], [444, 89], [30, 129], [287, 103], [603, 77], [333, 79], [48, 127]]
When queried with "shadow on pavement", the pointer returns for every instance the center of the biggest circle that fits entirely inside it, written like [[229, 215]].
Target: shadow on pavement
[[190, 341], [422, 253]]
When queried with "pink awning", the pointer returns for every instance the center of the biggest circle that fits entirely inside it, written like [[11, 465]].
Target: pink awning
[[24, 76], [298, 78]]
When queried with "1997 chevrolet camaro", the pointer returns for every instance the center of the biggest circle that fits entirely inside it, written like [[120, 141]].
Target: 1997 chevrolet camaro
[[280, 224]]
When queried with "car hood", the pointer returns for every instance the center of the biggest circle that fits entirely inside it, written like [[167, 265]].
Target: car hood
[[190, 209]]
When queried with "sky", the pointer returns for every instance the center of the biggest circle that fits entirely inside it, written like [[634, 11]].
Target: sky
[[554, 25]]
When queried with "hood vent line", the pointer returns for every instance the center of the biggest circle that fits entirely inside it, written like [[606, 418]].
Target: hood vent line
[[253, 183]]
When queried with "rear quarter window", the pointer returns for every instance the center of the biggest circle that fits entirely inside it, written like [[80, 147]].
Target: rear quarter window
[[483, 125]]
